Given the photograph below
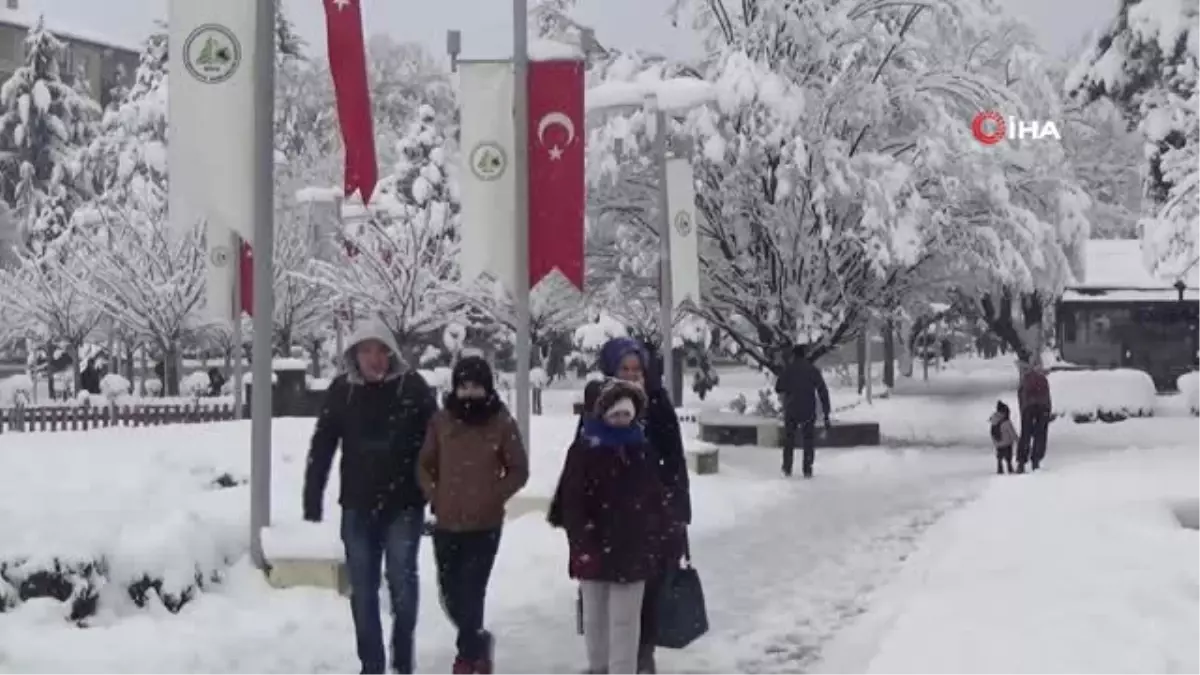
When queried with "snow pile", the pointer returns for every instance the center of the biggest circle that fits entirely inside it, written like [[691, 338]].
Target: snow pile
[[1108, 395], [114, 386], [195, 384], [147, 511], [16, 390], [1189, 388], [1083, 570], [289, 364]]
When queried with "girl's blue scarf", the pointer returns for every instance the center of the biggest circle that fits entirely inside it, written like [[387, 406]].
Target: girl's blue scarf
[[597, 432]]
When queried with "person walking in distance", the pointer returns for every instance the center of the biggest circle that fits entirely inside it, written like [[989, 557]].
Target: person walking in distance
[[1033, 398], [615, 513], [801, 386], [378, 412], [472, 463]]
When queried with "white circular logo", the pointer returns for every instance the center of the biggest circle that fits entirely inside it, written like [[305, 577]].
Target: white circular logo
[[212, 53], [488, 161], [683, 223], [219, 256]]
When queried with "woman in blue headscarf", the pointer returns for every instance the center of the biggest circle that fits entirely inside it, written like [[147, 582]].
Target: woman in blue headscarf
[[627, 359]]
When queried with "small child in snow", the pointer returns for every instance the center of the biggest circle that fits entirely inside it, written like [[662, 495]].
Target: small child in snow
[[1004, 437]]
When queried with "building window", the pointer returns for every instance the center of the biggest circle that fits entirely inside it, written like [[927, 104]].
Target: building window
[[1070, 327]]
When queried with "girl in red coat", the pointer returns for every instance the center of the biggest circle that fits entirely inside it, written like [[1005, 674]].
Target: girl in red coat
[[614, 510]]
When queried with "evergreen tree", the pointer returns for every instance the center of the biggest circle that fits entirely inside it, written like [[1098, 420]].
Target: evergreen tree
[[129, 151], [1146, 64], [43, 124]]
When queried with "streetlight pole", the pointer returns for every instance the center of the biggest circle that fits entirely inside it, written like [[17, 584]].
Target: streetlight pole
[[666, 295]]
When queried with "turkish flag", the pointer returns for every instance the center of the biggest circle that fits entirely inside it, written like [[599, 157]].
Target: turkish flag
[[348, 66], [557, 195], [246, 279]]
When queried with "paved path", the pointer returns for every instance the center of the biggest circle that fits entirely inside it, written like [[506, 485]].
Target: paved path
[[785, 580]]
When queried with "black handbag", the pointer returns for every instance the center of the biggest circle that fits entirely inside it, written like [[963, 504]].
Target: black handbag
[[682, 614]]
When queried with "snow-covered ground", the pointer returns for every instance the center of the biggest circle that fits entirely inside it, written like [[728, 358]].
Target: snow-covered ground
[[1086, 569], [886, 558]]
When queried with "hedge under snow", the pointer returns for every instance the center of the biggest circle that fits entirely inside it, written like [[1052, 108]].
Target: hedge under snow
[[1106, 395]]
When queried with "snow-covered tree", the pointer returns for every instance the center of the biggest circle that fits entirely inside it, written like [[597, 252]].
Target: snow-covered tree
[[130, 151], [397, 269], [1107, 157], [149, 281], [403, 77], [400, 259], [43, 123], [50, 302], [303, 308], [831, 178], [1146, 63]]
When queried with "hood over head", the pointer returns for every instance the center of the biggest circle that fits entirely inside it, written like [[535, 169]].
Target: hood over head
[[372, 329], [616, 349]]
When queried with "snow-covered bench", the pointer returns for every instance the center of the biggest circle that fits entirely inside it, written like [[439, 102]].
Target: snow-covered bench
[[703, 458], [728, 428], [311, 554]]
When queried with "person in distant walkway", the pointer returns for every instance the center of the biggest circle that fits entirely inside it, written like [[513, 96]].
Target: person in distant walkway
[[472, 463], [378, 411], [216, 382], [628, 360], [89, 378], [1033, 398], [1004, 437], [616, 515], [801, 386]]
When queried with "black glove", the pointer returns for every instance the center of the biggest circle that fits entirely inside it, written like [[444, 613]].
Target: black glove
[[312, 514], [827, 424]]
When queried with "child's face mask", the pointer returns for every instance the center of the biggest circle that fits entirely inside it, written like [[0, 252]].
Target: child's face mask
[[621, 414]]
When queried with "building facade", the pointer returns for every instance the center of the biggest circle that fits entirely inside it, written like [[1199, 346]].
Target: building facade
[[102, 62], [1121, 316]]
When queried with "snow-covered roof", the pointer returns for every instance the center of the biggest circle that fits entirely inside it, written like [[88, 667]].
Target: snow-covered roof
[[1119, 264], [1114, 270], [25, 20]]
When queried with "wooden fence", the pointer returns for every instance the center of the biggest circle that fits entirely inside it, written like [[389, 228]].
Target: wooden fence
[[82, 418]]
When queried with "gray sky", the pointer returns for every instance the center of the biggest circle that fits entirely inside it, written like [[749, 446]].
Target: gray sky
[[1060, 24]]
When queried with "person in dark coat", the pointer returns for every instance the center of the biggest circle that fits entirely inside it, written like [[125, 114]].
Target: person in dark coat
[[89, 378], [216, 382], [1033, 398], [615, 513], [801, 386], [378, 411]]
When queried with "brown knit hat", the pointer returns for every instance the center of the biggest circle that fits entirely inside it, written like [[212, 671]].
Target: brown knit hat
[[615, 390]]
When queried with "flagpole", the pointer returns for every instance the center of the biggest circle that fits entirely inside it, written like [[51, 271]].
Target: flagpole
[[520, 60], [264, 255]]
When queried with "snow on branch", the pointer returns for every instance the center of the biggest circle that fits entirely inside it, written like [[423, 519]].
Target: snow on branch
[[398, 271], [148, 280], [46, 299]]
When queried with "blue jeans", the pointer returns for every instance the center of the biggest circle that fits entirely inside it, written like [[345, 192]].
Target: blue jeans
[[370, 539]]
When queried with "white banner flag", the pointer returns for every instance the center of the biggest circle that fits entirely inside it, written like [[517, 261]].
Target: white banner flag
[[210, 130], [487, 182], [221, 271], [685, 256]]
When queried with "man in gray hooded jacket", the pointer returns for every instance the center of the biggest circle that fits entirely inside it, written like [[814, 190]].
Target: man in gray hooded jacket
[[377, 411]]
